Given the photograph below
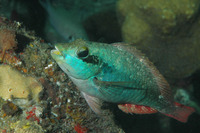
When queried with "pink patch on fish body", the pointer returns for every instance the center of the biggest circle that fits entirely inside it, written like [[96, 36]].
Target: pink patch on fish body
[[136, 109], [182, 110]]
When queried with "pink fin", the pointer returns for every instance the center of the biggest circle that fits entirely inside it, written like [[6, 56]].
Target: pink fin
[[181, 112], [94, 103], [137, 109]]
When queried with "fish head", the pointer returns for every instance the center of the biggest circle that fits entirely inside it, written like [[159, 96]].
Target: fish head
[[76, 60]]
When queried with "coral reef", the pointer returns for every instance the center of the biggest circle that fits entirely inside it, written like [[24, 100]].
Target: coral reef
[[10, 58], [167, 31], [25, 126], [15, 85], [7, 36], [10, 108], [42, 98]]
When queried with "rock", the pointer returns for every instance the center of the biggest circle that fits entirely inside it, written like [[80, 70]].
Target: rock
[[25, 126], [166, 31], [14, 85]]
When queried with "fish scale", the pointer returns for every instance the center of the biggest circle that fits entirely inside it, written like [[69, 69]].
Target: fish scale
[[122, 95], [136, 69], [117, 73], [125, 64]]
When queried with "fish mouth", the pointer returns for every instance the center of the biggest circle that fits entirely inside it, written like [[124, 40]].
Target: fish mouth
[[57, 55]]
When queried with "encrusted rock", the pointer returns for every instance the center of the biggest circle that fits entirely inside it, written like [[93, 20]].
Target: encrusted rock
[[167, 31], [15, 85]]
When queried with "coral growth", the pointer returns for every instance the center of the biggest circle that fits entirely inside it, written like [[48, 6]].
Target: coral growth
[[31, 115], [10, 108], [7, 39], [7, 36], [17, 86], [80, 129], [10, 58], [61, 107], [25, 126], [167, 31]]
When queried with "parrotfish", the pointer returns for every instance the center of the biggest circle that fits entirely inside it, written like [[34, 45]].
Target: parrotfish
[[67, 23], [118, 73]]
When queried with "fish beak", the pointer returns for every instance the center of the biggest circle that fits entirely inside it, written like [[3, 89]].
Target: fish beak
[[56, 51]]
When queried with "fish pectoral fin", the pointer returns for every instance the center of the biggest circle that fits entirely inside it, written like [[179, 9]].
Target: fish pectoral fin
[[94, 103], [117, 84], [117, 90]]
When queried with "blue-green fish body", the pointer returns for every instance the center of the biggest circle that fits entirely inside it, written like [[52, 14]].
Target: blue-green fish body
[[117, 73]]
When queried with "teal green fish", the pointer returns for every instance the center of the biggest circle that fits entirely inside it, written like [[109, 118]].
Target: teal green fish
[[117, 73]]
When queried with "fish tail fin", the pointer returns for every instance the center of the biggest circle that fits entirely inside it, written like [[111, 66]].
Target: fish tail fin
[[180, 112]]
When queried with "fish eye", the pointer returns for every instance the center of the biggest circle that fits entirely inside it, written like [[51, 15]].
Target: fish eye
[[82, 52]]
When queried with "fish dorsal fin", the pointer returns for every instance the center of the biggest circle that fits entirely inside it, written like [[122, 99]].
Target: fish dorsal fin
[[164, 88], [94, 103]]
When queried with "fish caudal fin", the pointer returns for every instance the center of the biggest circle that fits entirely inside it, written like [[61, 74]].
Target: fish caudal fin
[[180, 112]]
